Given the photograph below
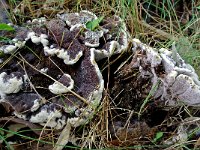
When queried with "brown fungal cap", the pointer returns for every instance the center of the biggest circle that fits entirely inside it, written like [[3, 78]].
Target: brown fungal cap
[[66, 44], [72, 19], [149, 70], [88, 78], [24, 102], [115, 37], [110, 38], [81, 85]]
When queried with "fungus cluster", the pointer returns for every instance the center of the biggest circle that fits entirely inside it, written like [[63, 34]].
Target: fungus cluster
[[161, 73], [56, 78], [53, 76]]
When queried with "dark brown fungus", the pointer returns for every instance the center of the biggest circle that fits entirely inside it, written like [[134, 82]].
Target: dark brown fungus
[[79, 88]]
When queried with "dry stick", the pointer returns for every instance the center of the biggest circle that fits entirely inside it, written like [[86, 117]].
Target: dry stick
[[160, 32], [7, 60], [128, 120], [56, 65], [74, 93], [32, 86], [40, 135], [64, 137]]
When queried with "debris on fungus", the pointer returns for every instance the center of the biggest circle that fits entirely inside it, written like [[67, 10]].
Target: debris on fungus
[[78, 82], [153, 80], [187, 129], [174, 82]]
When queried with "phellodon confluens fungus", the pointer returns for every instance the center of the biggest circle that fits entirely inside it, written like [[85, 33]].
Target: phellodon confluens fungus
[[175, 81], [51, 75]]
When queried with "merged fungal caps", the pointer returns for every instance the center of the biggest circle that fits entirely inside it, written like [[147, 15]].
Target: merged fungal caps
[[54, 76], [178, 81], [59, 78]]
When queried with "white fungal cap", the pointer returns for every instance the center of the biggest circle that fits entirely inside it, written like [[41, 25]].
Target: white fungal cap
[[165, 51], [167, 63], [89, 12], [20, 44], [92, 38], [11, 85], [76, 121], [50, 51], [49, 118], [43, 36], [43, 40], [35, 20], [77, 26], [36, 105], [136, 43], [91, 45], [153, 57], [9, 49], [103, 53], [15, 40], [59, 88], [189, 72], [72, 19], [35, 39], [171, 77], [44, 70], [19, 115], [63, 54], [29, 35], [189, 92], [39, 20]]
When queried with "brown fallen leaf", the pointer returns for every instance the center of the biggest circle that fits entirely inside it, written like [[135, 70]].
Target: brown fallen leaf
[[133, 134], [15, 128], [7, 108], [197, 144], [32, 146], [35, 128]]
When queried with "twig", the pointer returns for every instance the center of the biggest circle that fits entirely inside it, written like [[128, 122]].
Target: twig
[[74, 93], [160, 32]]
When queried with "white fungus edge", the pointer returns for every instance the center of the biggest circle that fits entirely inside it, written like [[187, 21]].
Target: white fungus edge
[[59, 88]]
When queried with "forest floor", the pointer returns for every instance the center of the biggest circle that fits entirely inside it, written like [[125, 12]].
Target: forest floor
[[116, 124]]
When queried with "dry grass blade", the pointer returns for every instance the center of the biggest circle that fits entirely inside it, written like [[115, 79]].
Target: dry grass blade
[[35, 128], [63, 138], [160, 32], [78, 96]]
